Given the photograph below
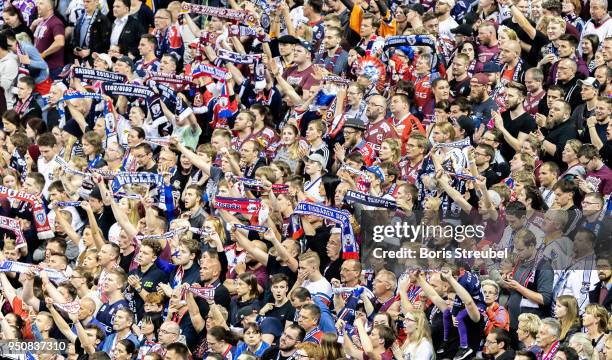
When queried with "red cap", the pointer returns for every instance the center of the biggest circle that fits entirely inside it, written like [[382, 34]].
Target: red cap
[[480, 78]]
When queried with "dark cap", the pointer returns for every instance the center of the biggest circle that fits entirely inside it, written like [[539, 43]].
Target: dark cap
[[463, 29], [246, 311], [420, 9], [128, 60], [288, 39], [95, 194], [306, 45], [491, 67], [353, 123]]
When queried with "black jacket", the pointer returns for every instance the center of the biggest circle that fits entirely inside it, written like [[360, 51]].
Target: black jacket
[[594, 297], [130, 36], [99, 36]]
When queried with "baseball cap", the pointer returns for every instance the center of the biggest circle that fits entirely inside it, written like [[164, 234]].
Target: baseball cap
[[317, 158], [463, 29], [288, 39], [491, 67], [590, 81], [306, 45], [480, 78], [104, 57], [95, 194], [246, 311], [354, 123], [128, 60], [376, 170], [420, 9]]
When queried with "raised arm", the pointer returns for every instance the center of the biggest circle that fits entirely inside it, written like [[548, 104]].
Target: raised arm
[[466, 298], [96, 233], [258, 254], [27, 293], [68, 229], [61, 324], [431, 293]]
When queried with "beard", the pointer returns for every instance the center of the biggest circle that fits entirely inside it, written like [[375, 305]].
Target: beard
[[476, 98], [513, 106], [372, 115]]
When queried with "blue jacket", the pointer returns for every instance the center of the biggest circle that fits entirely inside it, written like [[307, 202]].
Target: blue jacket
[[38, 67]]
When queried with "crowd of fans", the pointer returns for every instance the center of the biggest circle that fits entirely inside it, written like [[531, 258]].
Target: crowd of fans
[[193, 180]]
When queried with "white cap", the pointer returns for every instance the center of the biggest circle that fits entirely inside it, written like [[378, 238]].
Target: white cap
[[105, 57]]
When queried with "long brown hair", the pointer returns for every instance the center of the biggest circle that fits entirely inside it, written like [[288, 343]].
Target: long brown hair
[[330, 348]]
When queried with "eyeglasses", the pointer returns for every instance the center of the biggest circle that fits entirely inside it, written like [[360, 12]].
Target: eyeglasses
[[491, 342], [287, 336], [409, 320], [164, 331]]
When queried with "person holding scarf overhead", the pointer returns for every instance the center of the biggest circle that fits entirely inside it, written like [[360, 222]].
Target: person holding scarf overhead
[[92, 32]]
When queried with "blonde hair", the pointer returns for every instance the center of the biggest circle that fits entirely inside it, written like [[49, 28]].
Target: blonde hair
[[511, 34], [601, 314], [395, 147], [531, 323], [422, 327], [311, 257], [571, 317]]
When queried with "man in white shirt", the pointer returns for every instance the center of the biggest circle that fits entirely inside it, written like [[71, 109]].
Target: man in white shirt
[[47, 145], [310, 277]]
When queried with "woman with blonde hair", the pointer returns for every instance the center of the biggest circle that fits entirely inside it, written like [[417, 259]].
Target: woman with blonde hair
[[570, 157], [504, 34], [289, 148], [596, 321], [390, 150], [331, 349], [566, 311], [418, 345], [527, 330], [583, 346]]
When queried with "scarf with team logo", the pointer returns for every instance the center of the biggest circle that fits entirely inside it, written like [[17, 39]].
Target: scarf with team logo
[[239, 205], [43, 229], [350, 249]]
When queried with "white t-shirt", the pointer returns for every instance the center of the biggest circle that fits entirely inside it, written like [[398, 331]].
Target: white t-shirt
[[46, 169], [421, 351], [321, 288]]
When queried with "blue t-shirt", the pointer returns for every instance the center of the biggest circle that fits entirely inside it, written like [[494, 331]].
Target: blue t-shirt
[[107, 313]]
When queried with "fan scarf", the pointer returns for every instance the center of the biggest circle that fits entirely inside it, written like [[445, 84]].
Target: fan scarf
[[258, 185], [127, 90], [125, 178], [67, 169], [212, 71], [13, 225], [350, 248], [239, 205], [109, 118], [97, 75], [19, 267], [335, 79], [169, 78], [462, 176], [206, 293], [259, 229], [167, 235], [239, 15], [238, 30], [369, 200], [70, 308], [455, 144], [68, 203], [159, 140], [238, 58], [41, 222]]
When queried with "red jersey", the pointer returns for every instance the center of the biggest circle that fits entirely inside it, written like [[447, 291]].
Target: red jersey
[[379, 131], [365, 149], [422, 91], [409, 172], [404, 127]]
